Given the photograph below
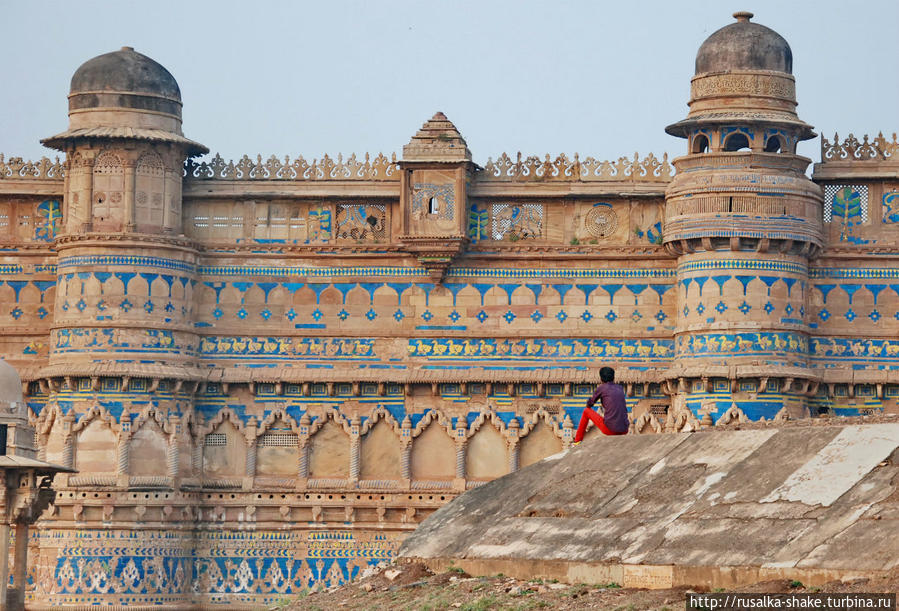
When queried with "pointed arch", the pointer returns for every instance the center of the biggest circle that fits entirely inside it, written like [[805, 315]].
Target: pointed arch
[[380, 413], [272, 419], [430, 416], [277, 446], [50, 429], [539, 437], [329, 412], [224, 445], [148, 446], [381, 449], [226, 413], [151, 414], [487, 456], [433, 454], [96, 412], [329, 440], [96, 437], [108, 190]]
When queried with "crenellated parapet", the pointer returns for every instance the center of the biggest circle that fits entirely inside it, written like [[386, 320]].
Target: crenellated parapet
[[42, 169], [850, 149], [532, 168], [380, 168]]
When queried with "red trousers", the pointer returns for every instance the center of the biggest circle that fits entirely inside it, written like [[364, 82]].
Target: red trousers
[[597, 420]]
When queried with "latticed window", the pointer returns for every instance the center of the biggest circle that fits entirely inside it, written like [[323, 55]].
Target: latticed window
[[109, 185], [361, 222], [847, 203], [216, 439], [277, 440], [150, 187], [516, 221]]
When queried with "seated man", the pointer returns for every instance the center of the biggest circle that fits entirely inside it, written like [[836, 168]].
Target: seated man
[[614, 419]]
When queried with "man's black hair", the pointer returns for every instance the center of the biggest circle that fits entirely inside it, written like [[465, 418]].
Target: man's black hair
[[606, 374]]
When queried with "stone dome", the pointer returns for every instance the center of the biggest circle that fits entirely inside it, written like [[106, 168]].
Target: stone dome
[[125, 70], [744, 46], [124, 95], [10, 384]]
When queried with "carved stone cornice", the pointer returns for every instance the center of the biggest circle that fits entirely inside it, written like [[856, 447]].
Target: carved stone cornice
[[210, 249], [519, 250], [125, 240]]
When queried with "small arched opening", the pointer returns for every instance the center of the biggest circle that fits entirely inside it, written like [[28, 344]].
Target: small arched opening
[[774, 144], [736, 142], [700, 144]]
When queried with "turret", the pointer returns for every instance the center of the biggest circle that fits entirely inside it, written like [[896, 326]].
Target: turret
[[124, 146], [124, 299], [744, 220]]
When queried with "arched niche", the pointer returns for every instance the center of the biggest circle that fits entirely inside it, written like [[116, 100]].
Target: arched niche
[[381, 454], [329, 454], [95, 448], [737, 141], [277, 451], [775, 144], [149, 186], [56, 442], [109, 191], [700, 144], [433, 454], [539, 443], [487, 456], [224, 452], [147, 451], [385, 296]]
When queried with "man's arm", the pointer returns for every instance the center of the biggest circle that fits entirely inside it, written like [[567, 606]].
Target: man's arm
[[596, 394]]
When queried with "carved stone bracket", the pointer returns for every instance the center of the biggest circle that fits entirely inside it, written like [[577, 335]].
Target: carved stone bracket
[[434, 253]]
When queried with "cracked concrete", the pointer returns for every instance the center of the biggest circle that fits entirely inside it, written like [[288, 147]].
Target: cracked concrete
[[713, 509]]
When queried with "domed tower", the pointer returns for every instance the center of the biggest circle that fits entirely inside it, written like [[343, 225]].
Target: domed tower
[[744, 220], [125, 147], [123, 313]]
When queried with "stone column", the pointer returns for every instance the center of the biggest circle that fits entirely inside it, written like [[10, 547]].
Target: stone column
[[196, 456], [129, 169], [303, 458], [123, 449], [21, 564], [355, 450], [4, 563], [513, 455], [461, 447], [251, 453], [406, 461], [514, 443], [172, 456]]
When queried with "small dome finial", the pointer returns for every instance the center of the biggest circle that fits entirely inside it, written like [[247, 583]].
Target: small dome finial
[[127, 48], [743, 16]]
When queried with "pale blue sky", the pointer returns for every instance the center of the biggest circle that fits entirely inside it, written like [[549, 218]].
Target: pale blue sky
[[331, 76]]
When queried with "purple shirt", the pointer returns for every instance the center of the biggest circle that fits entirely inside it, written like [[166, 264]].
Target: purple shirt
[[614, 406]]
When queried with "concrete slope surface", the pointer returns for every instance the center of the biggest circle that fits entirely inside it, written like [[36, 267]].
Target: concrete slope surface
[[712, 509]]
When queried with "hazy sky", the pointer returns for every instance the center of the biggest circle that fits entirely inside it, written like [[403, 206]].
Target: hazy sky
[[598, 78]]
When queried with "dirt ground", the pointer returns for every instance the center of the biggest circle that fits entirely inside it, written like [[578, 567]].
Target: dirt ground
[[414, 587]]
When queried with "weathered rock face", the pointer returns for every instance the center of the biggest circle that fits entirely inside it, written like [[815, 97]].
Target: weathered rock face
[[718, 509]]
